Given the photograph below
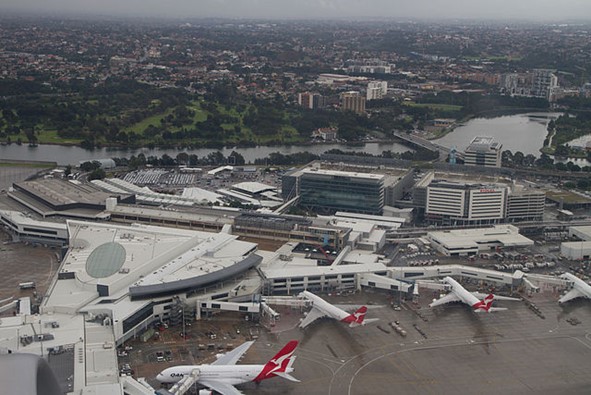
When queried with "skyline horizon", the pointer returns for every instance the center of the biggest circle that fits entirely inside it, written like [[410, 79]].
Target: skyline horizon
[[532, 11]]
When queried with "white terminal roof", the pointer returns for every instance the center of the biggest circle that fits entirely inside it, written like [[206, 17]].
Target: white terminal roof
[[253, 187], [16, 217], [136, 255], [337, 173], [508, 235], [200, 194], [354, 262]]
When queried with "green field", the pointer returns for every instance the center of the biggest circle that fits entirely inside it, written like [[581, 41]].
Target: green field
[[434, 106], [39, 165]]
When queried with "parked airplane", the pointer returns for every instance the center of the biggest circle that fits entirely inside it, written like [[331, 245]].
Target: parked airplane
[[222, 375], [321, 308], [460, 294], [580, 288]]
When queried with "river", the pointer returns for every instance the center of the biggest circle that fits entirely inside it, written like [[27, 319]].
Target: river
[[520, 132], [71, 155]]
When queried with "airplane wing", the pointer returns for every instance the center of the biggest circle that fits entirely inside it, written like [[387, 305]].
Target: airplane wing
[[231, 357], [312, 316], [572, 294], [497, 297], [450, 297], [353, 307], [222, 388]]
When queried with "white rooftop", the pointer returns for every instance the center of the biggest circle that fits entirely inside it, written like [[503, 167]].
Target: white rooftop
[[343, 174], [253, 187], [119, 256], [357, 261], [200, 194], [19, 218], [508, 235]]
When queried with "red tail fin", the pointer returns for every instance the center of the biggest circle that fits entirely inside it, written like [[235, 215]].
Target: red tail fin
[[356, 318], [279, 363], [485, 304]]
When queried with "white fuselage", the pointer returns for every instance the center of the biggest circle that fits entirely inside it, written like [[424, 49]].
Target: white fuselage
[[578, 284], [325, 307], [229, 374], [461, 292]]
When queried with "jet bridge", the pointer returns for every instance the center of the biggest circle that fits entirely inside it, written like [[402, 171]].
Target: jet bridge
[[518, 278], [383, 282], [427, 272]]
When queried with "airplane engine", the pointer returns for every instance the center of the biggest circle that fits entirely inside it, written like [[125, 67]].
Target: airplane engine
[[205, 392]]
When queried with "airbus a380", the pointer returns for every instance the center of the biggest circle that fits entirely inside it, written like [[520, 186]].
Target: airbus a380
[[321, 308], [580, 288], [461, 294], [222, 375]]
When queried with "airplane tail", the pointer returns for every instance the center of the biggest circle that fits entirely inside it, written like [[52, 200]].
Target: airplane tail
[[357, 317], [485, 305], [280, 365]]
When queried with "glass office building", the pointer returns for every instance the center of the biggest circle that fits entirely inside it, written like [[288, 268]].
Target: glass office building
[[326, 191]]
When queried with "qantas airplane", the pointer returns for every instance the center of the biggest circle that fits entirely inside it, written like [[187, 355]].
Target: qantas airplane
[[461, 294], [321, 308], [580, 288], [222, 375]]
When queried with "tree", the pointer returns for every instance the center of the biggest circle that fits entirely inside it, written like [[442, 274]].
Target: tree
[[97, 174], [182, 158], [90, 166], [68, 170], [518, 158], [236, 159]]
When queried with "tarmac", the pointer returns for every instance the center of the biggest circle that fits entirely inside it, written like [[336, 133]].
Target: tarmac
[[453, 351], [449, 349], [22, 263]]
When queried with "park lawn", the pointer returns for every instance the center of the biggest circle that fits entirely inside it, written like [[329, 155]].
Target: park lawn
[[51, 137], [435, 106], [25, 164], [232, 111], [200, 113], [143, 124]]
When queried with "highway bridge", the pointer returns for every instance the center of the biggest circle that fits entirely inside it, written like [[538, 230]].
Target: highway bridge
[[417, 141]]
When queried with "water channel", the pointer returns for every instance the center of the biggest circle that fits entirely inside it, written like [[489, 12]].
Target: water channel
[[521, 132]]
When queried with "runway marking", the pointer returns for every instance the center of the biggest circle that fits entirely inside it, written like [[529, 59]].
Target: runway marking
[[438, 347]]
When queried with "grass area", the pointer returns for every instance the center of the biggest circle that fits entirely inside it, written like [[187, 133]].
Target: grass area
[[200, 114], [39, 165], [153, 120], [51, 137], [434, 106]]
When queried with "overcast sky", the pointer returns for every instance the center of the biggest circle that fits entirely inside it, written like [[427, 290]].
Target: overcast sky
[[290, 9]]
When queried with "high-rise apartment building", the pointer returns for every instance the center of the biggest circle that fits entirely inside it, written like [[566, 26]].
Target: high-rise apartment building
[[376, 90], [353, 101], [311, 100], [544, 82]]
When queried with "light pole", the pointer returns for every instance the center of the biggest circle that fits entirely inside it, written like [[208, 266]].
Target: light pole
[[182, 311]]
